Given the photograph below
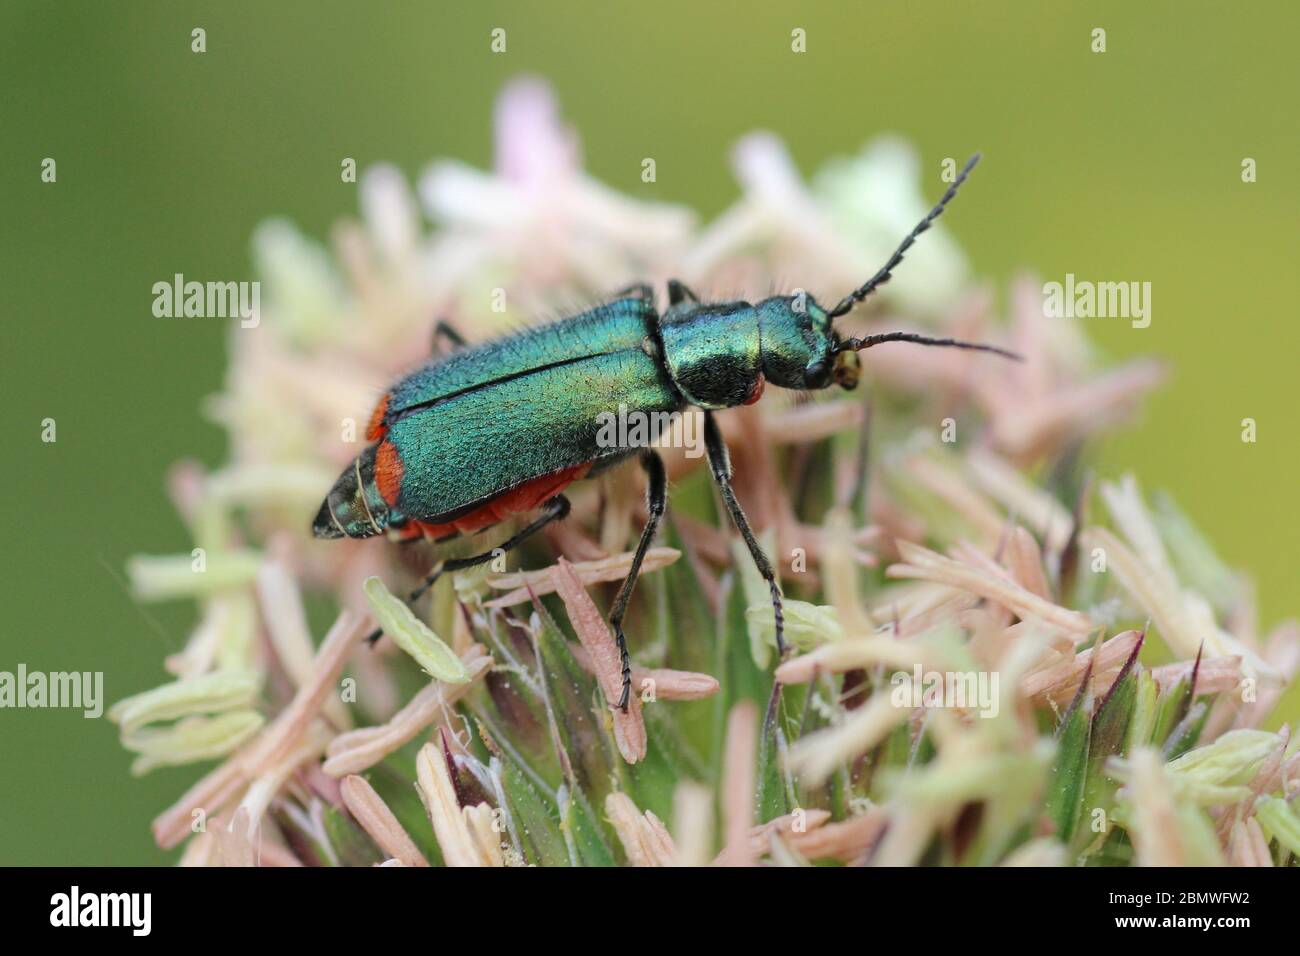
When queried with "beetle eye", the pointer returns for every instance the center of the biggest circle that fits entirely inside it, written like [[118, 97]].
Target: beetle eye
[[815, 375], [848, 369]]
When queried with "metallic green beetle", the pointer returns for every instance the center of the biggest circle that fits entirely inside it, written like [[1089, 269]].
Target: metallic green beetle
[[501, 428]]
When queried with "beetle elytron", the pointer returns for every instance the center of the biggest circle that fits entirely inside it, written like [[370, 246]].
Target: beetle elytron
[[501, 428]]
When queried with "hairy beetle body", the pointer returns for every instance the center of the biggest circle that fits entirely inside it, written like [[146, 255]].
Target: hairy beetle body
[[461, 432]]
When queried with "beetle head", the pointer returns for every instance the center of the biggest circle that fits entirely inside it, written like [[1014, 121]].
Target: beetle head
[[798, 343]]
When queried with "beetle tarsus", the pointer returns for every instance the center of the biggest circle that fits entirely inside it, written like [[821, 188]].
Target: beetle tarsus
[[625, 659], [778, 612]]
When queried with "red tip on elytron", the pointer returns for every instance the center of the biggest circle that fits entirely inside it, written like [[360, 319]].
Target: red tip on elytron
[[375, 430], [388, 472]]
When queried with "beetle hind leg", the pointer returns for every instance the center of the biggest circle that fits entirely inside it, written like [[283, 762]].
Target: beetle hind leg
[[555, 509], [656, 504]]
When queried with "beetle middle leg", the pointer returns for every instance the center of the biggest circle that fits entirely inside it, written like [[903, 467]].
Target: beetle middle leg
[[556, 509], [720, 463], [656, 502]]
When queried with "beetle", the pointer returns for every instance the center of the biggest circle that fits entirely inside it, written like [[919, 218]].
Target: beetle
[[501, 428]]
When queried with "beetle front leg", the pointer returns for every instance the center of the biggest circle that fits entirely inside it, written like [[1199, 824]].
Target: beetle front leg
[[656, 502], [720, 463], [556, 509]]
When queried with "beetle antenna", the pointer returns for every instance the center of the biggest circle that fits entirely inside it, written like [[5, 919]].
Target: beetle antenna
[[854, 345], [886, 271]]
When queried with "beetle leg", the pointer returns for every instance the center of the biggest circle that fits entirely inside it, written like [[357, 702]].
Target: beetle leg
[[444, 330], [656, 501], [556, 509], [720, 463], [678, 291]]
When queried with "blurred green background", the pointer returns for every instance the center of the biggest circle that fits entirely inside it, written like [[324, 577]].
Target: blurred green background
[[1123, 165]]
